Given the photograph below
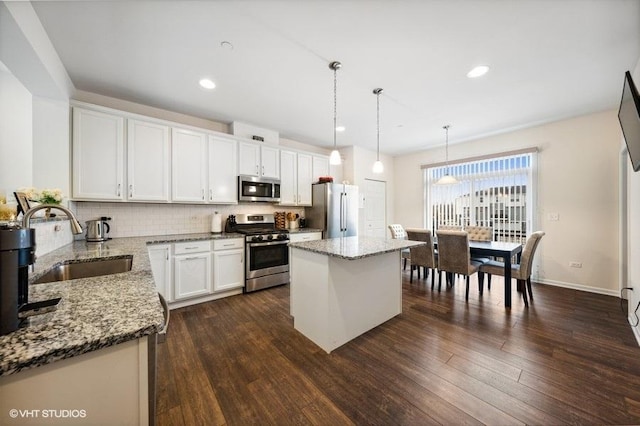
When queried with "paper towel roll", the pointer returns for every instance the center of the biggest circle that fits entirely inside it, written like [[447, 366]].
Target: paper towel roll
[[216, 223]]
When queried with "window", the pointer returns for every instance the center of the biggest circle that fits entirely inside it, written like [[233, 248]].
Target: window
[[496, 192]]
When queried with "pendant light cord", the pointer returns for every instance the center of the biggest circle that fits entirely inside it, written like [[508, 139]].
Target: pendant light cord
[[335, 105], [446, 147], [378, 123]]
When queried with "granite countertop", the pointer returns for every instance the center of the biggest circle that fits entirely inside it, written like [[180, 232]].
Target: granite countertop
[[352, 248], [93, 313]]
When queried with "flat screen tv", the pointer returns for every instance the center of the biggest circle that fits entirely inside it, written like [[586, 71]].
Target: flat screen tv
[[629, 116]]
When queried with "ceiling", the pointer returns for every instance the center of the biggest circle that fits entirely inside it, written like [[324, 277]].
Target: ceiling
[[549, 60]]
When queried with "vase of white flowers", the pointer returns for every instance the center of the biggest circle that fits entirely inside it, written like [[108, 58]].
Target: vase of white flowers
[[44, 196]]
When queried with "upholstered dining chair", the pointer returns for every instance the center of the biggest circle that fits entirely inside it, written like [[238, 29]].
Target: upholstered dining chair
[[398, 233], [481, 233], [449, 228], [422, 256], [454, 257], [522, 271]]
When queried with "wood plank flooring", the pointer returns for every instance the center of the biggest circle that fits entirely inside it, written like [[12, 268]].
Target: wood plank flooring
[[571, 358]]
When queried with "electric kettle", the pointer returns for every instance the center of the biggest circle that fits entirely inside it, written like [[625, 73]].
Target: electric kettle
[[98, 229]]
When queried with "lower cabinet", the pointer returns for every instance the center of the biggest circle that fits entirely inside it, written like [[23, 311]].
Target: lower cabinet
[[191, 275], [186, 273]]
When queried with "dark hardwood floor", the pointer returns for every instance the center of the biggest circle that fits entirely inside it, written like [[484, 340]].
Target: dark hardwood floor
[[570, 358]]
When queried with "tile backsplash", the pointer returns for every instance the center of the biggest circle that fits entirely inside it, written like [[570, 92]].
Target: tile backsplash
[[141, 219], [51, 234]]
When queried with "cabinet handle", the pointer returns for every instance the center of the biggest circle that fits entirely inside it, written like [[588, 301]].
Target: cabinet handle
[[202, 194], [257, 169], [190, 248], [167, 258], [191, 258], [118, 191], [263, 170], [211, 195], [228, 245], [130, 190]]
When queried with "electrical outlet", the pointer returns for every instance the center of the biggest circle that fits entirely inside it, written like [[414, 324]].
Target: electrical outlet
[[554, 217], [575, 264]]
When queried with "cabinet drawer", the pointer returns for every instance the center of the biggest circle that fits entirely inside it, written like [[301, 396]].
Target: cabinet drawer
[[192, 247], [226, 244]]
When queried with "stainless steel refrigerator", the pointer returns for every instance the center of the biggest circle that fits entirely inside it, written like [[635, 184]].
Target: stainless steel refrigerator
[[334, 210]]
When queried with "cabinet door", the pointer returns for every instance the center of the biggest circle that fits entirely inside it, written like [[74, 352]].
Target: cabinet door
[[189, 165], [320, 168], [223, 170], [148, 159], [249, 159], [270, 161], [303, 197], [304, 236], [228, 269], [192, 275], [161, 269], [98, 155], [288, 180]]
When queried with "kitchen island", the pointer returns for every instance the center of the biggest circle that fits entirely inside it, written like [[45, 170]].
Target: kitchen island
[[344, 287]]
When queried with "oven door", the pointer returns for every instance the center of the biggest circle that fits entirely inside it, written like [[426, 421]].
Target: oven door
[[267, 258]]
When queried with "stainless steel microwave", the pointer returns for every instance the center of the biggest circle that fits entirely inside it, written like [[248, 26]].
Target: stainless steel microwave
[[252, 188]]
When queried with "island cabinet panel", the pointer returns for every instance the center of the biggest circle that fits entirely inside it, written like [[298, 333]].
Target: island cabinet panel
[[98, 155], [334, 300], [109, 386]]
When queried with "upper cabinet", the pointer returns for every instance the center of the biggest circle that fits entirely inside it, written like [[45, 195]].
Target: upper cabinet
[[258, 160], [320, 168], [98, 156], [189, 166], [296, 178], [148, 161], [223, 170]]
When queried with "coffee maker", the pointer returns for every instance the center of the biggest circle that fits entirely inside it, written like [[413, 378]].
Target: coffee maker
[[17, 252]]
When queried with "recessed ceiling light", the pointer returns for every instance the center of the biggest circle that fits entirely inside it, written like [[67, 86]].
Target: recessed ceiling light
[[207, 84], [478, 71], [340, 128], [226, 45]]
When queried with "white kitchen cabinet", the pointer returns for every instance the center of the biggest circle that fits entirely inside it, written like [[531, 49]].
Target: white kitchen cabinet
[[160, 259], [191, 269], [228, 264], [223, 170], [188, 165], [320, 168], [148, 161], [295, 178], [258, 160], [98, 155]]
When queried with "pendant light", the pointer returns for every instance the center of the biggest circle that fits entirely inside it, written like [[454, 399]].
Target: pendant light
[[378, 167], [335, 154], [447, 179]]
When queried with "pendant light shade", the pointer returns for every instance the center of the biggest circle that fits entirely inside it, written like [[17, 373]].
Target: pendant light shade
[[378, 167], [335, 159], [447, 179]]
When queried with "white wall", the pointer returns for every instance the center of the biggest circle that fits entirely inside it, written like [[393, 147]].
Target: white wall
[[578, 164], [633, 235], [15, 135], [51, 144]]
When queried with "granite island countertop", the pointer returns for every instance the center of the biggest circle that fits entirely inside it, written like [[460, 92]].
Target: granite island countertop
[[93, 313], [352, 248]]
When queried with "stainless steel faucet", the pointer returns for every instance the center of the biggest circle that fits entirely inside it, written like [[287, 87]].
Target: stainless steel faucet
[[75, 225]]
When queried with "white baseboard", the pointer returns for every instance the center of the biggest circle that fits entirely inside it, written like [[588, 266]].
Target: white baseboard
[[636, 329], [580, 287]]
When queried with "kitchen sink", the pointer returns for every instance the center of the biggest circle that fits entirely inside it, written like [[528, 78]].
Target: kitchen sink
[[71, 270]]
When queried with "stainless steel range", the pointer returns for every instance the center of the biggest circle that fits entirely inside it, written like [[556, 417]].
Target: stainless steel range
[[267, 254]]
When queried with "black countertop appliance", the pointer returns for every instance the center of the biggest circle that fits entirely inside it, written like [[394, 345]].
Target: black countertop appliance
[[17, 252]]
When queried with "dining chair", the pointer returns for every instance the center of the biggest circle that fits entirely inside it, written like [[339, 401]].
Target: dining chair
[[422, 256], [398, 233], [449, 228], [481, 233], [521, 271], [454, 257]]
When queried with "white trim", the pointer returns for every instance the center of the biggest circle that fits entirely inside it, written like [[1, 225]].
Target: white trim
[[636, 330], [579, 287]]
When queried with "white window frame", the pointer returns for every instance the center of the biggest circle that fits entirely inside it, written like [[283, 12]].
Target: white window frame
[[470, 173]]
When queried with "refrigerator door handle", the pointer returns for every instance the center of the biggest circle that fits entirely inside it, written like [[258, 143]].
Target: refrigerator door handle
[[341, 211]]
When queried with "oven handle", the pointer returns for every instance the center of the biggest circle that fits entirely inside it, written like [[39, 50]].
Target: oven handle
[[268, 243]]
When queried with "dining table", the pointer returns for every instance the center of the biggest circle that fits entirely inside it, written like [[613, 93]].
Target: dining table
[[504, 250], [501, 249]]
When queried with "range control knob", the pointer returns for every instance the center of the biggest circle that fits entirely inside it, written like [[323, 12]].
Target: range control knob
[[282, 237], [269, 237], [256, 238]]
